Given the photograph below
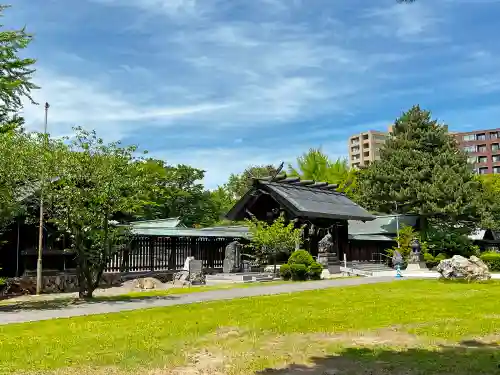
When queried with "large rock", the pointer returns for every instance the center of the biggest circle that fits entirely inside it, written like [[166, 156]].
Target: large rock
[[459, 267], [147, 283], [184, 277]]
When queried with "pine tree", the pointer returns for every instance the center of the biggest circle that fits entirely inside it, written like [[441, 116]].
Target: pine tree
[[422, 171]]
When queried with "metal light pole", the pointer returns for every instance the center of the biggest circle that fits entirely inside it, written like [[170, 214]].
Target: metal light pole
[[40, 227]]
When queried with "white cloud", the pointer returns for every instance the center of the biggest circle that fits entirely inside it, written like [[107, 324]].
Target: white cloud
[[219, 163], [171, 8], [86, 103], [409, 22]]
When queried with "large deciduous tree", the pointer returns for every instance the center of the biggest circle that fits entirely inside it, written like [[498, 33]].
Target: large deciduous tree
[[422, 171], [96, 182], [177, 191]]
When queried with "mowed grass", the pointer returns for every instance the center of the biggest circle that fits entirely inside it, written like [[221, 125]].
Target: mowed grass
[[402, 327]]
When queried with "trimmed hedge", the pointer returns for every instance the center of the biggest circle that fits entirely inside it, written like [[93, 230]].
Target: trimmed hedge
[[285, 272], [315, 270], [299, 272], [301, 257], [492, 260]]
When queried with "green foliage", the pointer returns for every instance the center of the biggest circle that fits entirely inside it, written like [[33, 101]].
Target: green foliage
[[492, 260], [301, 257], [430, 262], [15, 76], [405, 237], [490, 184], [97, 181], [424, 172], [441, 238], [299, 272], [441, 256], [316, 165], [176, 191], [314, 271], [239, 184], [269, 240], [285, 272]]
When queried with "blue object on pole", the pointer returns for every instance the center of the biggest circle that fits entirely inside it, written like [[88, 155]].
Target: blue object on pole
[[398, 272]]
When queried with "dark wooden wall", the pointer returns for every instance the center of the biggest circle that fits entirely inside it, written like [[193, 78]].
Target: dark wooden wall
[[365, 250], [158, 253]]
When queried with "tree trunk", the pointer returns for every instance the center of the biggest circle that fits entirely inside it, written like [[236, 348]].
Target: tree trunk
[[424, 227]]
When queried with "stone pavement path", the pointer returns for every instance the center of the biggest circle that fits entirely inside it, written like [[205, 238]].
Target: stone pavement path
[[102, 307]]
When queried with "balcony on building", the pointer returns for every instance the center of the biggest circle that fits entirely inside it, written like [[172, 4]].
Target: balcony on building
[[482, 148], [482, 170], [482, 159], [481, 137]]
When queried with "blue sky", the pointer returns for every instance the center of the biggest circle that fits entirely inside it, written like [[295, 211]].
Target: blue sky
[[222, 84]]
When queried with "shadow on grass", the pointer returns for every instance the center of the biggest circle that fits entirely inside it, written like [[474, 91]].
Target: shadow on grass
[[467, 358], [63, 303]]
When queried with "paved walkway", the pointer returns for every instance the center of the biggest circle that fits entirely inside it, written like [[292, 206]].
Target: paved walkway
[[102, 307]]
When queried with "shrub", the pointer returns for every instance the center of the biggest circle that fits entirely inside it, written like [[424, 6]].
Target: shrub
[[492, 260], [315, 270], [299, 272], [301, 257], [285, 272], [430, 261], [440, 257]]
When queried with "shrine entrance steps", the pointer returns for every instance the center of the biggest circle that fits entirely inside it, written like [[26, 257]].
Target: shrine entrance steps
[[367, 268]]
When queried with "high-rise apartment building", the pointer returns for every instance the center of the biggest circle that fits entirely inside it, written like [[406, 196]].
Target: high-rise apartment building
[[483, 147], [364, 148]]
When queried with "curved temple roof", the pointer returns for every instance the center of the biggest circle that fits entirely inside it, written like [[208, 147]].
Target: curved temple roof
[[308, 199]]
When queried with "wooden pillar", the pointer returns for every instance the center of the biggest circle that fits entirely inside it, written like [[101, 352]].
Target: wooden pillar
[[152, 242], [172, 258], [192, 245]]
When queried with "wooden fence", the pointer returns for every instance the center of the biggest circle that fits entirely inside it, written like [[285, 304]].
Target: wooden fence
[[158, 253]]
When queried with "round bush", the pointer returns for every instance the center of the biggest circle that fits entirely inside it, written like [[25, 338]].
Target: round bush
[[285, 272], [492, 260], [428, 257], [430, 261], [315, 270], [301, 257], [440, 257], [299, 272]]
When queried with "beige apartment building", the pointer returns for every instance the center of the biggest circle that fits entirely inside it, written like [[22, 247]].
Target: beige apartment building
[[364, 148]]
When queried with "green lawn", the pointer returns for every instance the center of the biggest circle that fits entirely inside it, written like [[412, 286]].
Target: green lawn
[[404, 327]]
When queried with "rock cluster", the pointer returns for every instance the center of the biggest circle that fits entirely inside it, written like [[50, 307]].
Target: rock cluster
[[459, 267], [195, 278]]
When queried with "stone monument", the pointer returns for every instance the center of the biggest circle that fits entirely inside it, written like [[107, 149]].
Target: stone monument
[[192, 273], [326, 255], [232, 258], [415, 260]]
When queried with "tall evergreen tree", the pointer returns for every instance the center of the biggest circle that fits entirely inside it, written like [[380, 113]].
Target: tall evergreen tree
[[422, 171]]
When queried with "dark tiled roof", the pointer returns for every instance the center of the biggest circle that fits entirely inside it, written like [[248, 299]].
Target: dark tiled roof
[[308, 199]]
